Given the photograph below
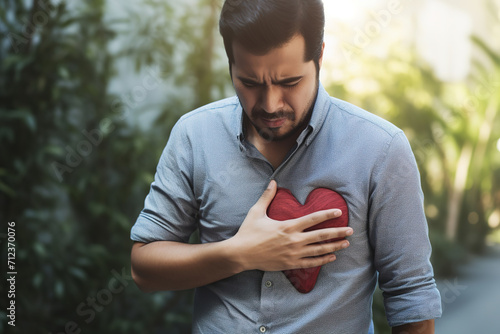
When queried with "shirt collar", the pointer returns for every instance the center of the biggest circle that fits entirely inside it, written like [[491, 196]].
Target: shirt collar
[[319, 114], [317, 119]]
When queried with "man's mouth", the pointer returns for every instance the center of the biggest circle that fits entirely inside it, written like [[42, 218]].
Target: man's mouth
[[274, 123]]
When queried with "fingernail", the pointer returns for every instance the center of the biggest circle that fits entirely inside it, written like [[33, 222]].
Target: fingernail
[[270, 185], [337, 212], [345, 244], [349, 232]]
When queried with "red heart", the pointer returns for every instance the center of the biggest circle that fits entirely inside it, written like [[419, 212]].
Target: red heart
[[285, 206]]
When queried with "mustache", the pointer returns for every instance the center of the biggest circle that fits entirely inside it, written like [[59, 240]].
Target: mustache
[[261, 113]]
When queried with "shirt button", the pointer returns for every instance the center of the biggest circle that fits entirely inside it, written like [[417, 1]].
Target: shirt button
[[262, 329], [268, 285]]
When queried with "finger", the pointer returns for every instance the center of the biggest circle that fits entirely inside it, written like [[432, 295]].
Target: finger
[[316, 250], [311, 262], [324, 234], [315, 218], [267, 196]]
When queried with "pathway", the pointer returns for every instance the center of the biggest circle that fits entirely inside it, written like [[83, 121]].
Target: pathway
[[471, 302]]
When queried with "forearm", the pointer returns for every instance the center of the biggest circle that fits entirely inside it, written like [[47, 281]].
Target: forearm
[[167, 265], [422, 327]]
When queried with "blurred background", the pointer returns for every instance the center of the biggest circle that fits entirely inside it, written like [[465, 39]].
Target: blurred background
[[89, 91]]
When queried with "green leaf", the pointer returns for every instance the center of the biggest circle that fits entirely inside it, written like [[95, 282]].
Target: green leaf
[[77, 272], [37, 280], [23, 115], [492, 54], [40, 249], [97, 208], [7, 190], [63, 72], [54, 150], [67, 22], [59, 288]]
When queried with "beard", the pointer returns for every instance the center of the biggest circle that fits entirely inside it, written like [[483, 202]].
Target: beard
[[271, 134]]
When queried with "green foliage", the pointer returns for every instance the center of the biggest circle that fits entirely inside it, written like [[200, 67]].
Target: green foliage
[[73, 176], [184, 42], [447, 255], [379, 318]]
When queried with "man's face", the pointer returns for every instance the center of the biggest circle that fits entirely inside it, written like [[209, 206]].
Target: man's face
[[277, 90]]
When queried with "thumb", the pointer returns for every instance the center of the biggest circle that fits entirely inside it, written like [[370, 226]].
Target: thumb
[[267, 196]]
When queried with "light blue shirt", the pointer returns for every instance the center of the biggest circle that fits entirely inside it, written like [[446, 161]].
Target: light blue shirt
[[209, 176]]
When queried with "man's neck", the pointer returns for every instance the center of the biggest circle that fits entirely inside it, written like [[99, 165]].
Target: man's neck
[[274, 151]]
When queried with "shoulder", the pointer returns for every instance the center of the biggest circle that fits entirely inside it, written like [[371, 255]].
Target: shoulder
[[218, 110], [363, 132], [215, 122], [361, 120]]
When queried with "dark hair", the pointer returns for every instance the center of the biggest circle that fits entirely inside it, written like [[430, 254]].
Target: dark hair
[[262, 25]]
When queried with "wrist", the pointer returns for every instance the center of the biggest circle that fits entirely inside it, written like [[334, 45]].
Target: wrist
[[233, 256]]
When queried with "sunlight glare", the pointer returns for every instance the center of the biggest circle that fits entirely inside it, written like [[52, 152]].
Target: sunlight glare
[[348, 11], [341, 10]]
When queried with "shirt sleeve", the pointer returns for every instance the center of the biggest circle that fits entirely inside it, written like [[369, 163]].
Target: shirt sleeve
[[170, 207], [399, 237]]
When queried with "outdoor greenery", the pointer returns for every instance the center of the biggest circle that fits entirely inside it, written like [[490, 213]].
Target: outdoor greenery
[[75, 168]]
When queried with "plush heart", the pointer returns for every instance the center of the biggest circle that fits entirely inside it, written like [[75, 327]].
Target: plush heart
[[285, 206]]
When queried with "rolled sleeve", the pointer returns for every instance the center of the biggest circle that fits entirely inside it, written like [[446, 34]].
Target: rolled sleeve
[[170, 207], [399, 237]]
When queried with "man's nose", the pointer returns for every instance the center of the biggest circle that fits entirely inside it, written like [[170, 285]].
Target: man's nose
[[272, 99]]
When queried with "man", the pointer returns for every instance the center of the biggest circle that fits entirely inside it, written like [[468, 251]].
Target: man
[[219, 173]]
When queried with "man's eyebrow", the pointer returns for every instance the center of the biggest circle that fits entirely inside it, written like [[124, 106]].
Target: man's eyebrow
[[279, 82]]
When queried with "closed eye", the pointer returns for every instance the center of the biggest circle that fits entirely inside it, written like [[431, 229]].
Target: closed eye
[[290, 82], [286, 83], [250, 84], [290, 85]]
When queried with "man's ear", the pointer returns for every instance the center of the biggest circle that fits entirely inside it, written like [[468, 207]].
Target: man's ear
[[321, 56]]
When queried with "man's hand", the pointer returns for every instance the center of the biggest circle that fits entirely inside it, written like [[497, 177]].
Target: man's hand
[[271, 245]]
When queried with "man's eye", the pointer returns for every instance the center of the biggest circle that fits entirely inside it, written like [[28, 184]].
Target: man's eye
[[291, 85], [249, 84]]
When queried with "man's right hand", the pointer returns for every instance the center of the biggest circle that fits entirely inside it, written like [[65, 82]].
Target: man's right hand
[[260, 243], [270, 245]]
